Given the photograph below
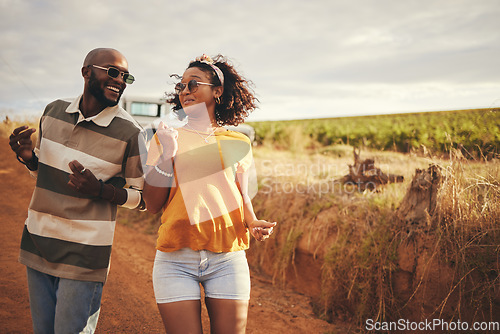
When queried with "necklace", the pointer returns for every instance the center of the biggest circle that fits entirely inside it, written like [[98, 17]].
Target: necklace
[[199, 134]]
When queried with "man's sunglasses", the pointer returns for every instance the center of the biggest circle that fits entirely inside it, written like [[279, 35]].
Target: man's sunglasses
[[113, 72], [192, 86]]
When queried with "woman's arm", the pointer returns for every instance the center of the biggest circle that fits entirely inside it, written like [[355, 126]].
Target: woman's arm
[[159, 180], [260, 229]]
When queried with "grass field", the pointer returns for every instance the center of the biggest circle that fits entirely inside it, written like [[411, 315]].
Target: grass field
[[360, 244], [476, 133], [356, 238]]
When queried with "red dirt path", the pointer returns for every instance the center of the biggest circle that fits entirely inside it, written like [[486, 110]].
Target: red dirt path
[[128, 304]]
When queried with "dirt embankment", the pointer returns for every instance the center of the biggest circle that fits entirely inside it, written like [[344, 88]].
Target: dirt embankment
[[128, 304]]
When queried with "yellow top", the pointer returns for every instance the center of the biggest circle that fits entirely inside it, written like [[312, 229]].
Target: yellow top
[[204, 209]]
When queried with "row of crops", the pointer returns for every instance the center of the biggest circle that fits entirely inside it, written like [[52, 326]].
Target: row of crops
[[476, 132]]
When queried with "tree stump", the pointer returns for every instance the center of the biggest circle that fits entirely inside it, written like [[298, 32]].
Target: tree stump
[[419, 203], [365, 175]]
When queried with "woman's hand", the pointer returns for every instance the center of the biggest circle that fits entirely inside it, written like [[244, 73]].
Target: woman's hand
[[261, 229], [168, 139]]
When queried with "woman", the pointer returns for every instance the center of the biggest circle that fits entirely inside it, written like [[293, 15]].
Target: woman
[[198, 175]]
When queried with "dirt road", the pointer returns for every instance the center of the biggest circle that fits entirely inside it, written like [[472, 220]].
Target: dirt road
[[128, 304]]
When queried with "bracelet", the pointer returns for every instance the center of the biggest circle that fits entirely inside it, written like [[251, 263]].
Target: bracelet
[[162, 172]]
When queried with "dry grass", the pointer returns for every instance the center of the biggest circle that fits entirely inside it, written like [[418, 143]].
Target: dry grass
[[349, 231], [467, 226], [8, 125], [356, 238]]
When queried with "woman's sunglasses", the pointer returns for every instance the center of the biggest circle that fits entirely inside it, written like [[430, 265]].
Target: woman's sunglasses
[[192, 86], [113, 72]]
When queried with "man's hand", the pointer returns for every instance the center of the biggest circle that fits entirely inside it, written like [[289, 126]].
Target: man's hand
[[83, 180], [20, 142]]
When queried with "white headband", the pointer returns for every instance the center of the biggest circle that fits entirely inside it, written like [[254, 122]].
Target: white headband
[[207, 60]]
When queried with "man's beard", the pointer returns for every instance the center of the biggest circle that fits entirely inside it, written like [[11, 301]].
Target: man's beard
[[96, 90]]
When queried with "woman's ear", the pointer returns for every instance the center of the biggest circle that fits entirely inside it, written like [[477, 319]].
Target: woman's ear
[[218, 92]]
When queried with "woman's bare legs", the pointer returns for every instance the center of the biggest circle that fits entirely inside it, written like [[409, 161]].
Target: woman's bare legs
[[227, 316], [181, 317]]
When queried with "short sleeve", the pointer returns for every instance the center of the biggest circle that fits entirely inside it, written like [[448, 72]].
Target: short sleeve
[[236, 150], [247, 161]]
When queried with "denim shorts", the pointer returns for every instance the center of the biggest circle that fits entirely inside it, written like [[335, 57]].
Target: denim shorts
[[177, 275]]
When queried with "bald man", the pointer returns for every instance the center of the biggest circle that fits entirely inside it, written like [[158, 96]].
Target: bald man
[[86, 162]]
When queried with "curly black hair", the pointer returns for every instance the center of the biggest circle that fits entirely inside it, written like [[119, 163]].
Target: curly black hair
[[237, 100]]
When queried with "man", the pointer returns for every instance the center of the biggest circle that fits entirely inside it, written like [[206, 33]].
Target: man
[[86, 161]]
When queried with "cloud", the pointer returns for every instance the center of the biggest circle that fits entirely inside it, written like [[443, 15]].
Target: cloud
[[306, 58]]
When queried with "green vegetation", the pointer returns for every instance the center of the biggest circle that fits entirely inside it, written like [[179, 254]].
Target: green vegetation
[[475, 132]]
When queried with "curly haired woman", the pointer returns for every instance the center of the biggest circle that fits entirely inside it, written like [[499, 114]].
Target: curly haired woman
[[198, 176]]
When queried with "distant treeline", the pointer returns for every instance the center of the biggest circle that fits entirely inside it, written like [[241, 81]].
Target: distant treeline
[[475, 132]]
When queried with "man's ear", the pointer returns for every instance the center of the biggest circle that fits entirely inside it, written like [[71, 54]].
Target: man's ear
[[86, 72]]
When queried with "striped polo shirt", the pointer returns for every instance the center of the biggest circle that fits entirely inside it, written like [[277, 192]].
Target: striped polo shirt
[[68, 234]]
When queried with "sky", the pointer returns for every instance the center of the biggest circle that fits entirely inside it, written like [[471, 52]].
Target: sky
[[306, 59]]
